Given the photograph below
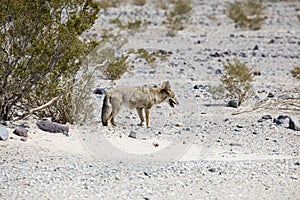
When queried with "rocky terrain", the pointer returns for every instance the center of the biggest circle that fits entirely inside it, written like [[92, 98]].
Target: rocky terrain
[[202, 149]]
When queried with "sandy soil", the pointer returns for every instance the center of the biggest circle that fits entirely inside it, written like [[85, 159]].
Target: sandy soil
[[199, 150]]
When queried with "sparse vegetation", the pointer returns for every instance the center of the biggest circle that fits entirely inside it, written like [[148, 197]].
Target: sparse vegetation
[[105, 4], [246, 14], [139, 2], [296, 72], [237, 80], [116, 68], [129, 25], [178, 17]]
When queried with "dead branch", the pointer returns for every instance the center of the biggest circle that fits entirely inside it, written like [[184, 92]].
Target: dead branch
[[43, 106]]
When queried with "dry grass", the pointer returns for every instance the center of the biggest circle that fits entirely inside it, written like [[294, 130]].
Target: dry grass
[[246, 14]]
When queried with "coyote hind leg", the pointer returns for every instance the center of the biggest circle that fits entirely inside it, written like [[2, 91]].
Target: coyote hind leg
[[140, 113]]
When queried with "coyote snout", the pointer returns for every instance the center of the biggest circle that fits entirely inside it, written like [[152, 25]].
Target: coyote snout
[[140, 98]]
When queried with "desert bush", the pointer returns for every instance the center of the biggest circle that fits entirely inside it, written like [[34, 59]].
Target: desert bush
[[116, 68], [246, 14], [105, 4], [139, 2], [237, 80], [178, 17], [40, 53], [296, 72]]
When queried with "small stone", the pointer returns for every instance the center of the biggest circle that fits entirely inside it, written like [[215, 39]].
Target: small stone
[[3, 133], [233, 104], [297, 163], [6, 123], [99, 91], [212, 170], [178, 124], [235, 145], [19, 114], [218, 71], [23, 139], [132, 135], [216, 54], [255, 48], [281, 119], [294, 124], [20, 131], [271, 95], [239, 126], [272, 41], [257, 73], [237, 129], [266, 117]]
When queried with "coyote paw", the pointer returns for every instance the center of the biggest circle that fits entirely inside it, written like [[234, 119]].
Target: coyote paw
[[141, 124]]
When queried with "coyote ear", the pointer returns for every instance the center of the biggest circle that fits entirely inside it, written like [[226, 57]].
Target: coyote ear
[[166, 85]]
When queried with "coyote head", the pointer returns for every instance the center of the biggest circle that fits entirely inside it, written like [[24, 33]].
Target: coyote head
[[171, 99]]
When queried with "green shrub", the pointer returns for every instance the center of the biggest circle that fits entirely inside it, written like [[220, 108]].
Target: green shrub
[[296, 72], [178, 17], [139, 2], [237, 80], [246, 14], [41, 53], [116, 68]]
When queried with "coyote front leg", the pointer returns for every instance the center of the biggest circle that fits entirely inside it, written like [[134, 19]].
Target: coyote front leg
[[147, 112]]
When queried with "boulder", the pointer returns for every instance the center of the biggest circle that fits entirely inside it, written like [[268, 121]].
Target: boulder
[[20, 131], [294, 124], [53, 127], [3, 133]]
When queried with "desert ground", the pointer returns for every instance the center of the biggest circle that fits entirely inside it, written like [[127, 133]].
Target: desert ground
[[201, 149]]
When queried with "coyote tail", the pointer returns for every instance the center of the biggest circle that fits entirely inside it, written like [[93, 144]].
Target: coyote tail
[[105, 110]]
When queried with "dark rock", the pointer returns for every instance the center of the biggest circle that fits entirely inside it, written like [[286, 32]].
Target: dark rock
[[132, 135], [199, 87], [257, 73], [212, 170], [216, 54], [243, 54], [233, 104], [255, 48], [237, 129], [281, 119], [161, 51], [240, 126], [53, 127], [266, 117], [272, 41], [3, 133], [297, 163], [99, 91], [294, 124], [271, 95], [20, 131], [218, 71]]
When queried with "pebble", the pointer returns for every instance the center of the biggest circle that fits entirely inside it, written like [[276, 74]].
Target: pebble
[[271, 95], [266, 117], [233, 103], [294, 124], [20, 131], [3, 133], [133, 134], [100, 91]]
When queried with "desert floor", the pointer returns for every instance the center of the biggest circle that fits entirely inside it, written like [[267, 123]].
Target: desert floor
[[201, 149]]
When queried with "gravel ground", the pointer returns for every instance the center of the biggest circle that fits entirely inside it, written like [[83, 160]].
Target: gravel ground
[[212, 154]]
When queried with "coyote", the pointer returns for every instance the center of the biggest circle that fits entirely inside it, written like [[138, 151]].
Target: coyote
[[140, 97]]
